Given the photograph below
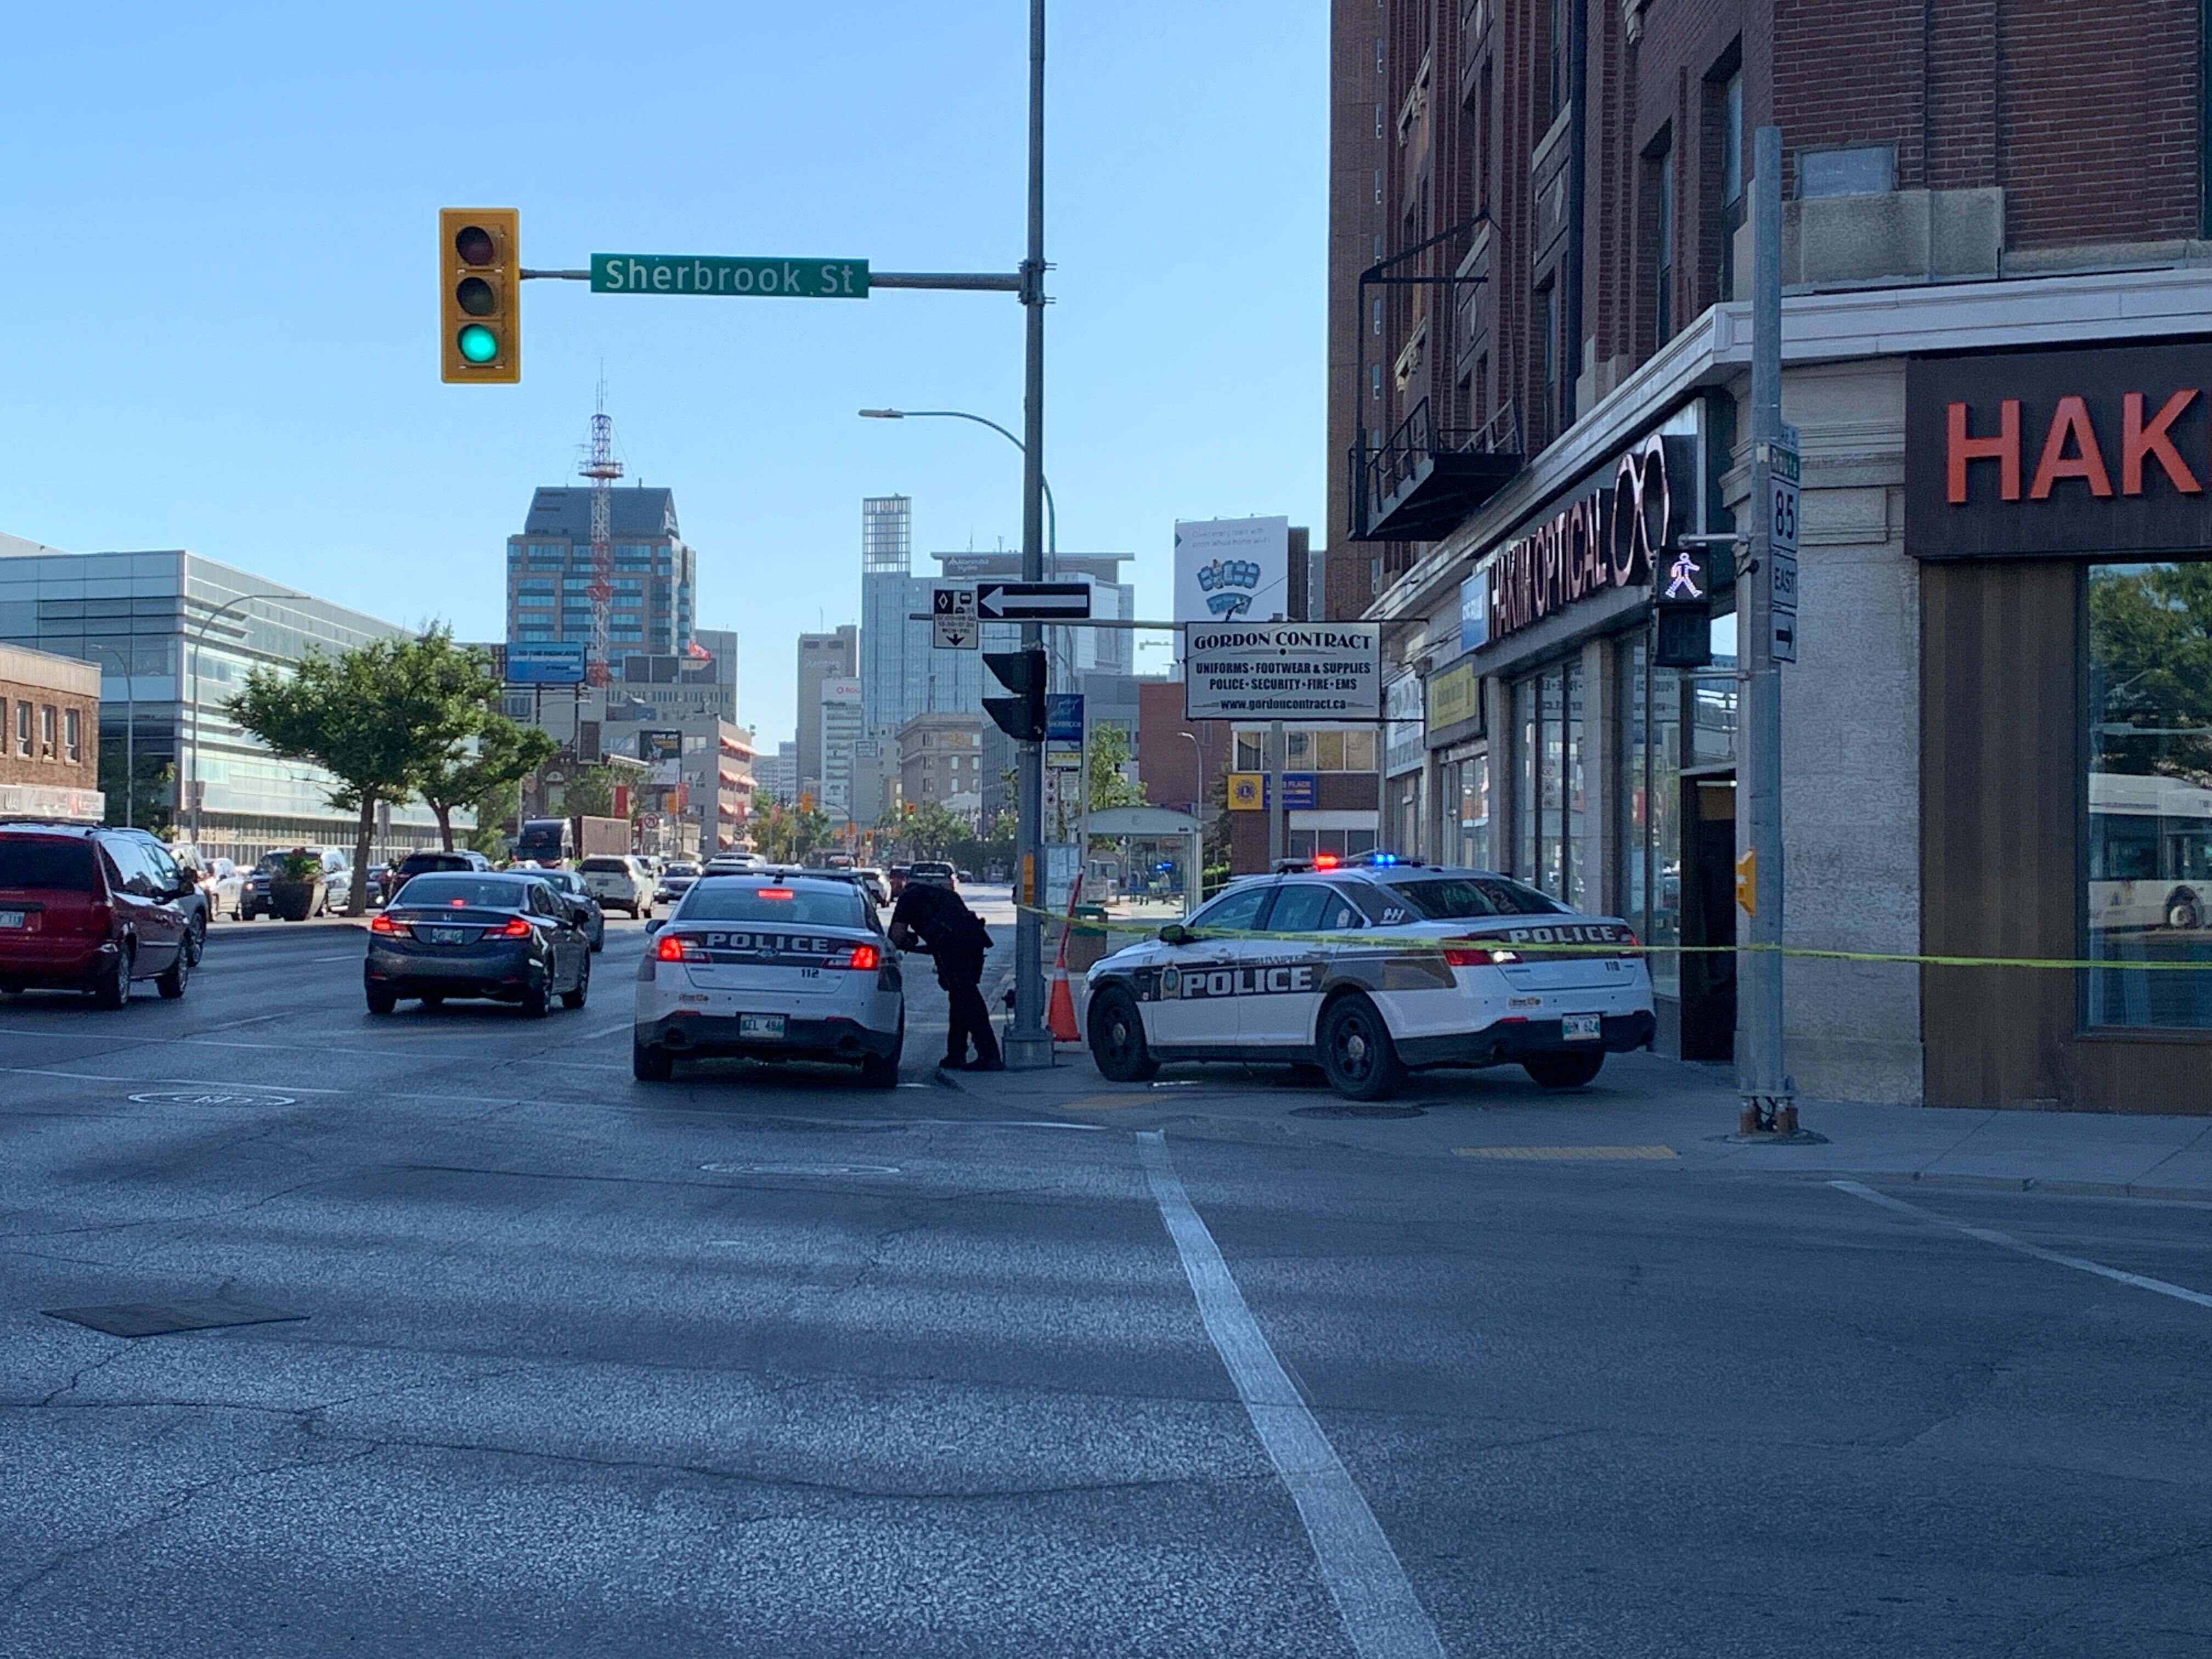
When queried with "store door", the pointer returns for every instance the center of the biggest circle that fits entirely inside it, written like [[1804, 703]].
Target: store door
[[1709, 919]]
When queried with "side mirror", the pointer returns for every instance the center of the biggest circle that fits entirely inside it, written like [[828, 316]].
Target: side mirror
[[654, 925], [1175, 934]]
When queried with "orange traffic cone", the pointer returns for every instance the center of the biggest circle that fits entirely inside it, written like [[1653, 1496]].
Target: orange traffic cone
[[1059, 1010]]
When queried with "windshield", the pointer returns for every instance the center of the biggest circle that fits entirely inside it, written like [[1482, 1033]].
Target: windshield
[[483, 891], [812, 906], [682, 869], [1445, 898], [63, 867]]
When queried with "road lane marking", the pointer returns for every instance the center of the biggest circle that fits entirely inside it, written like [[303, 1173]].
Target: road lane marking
[[605, 1032], [1571, 1154], [1382, 1615], [2007, 1241]]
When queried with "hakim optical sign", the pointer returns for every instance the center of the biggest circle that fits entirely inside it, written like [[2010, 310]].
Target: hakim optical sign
[[479, 295]]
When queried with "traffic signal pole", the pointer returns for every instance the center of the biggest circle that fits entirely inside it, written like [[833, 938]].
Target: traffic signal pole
[[1028, 1044], [1766, 1091]]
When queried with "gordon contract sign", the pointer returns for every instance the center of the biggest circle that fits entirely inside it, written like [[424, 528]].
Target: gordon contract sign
[[1282, 670]]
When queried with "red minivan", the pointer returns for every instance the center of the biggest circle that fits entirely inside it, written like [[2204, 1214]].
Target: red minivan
[[81, 909]]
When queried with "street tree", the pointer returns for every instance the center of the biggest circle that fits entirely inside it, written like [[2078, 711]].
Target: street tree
[[374, 717], [486, 776]]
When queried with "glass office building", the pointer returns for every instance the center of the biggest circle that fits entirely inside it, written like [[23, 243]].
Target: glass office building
[[654, 581], [174, 635]]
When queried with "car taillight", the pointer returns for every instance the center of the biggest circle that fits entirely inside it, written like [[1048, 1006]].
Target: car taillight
[[1477, 955], [1635, 948], [381, 923], [862, 957], [516, 928], [674, 947]]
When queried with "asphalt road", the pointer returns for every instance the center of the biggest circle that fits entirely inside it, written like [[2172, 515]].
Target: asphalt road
[[758, 1364]]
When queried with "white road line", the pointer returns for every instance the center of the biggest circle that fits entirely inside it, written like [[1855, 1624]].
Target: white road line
[[173, 1082], [603, 1031], [2006, 1241], [1380, 1613]]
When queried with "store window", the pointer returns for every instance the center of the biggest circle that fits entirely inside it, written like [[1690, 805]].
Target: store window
[[1712, 724], [1551, 795], [2149, 883], [1463, 805], [1649, 795]]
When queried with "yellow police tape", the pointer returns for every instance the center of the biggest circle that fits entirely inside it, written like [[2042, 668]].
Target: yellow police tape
[[1527, 947]]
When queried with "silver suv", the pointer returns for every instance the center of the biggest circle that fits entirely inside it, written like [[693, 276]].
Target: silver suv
[[618, 883]]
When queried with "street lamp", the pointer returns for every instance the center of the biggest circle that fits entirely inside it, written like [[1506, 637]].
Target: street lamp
[[199, 638], [129, 735], [1052, 512]]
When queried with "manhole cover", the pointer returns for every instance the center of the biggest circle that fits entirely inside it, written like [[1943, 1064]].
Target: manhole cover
[[1350, 1109], [210, 1097], [800, 1168]]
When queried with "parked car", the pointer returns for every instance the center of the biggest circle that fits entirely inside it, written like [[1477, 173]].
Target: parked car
[[86, 909], [877, 884], [176, 870], [223, 882], [501, 934], [589, 916], [618, 884], [333, 887]]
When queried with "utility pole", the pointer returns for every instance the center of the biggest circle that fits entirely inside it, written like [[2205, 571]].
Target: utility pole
[[1028, 1044], [1767, 611]]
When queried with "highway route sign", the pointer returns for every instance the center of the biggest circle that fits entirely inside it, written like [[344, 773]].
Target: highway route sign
[[1033, 601], [952, 618]]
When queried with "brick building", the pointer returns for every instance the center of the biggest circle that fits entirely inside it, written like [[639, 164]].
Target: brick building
[[48, 735], [1997, 352], [940, 759]]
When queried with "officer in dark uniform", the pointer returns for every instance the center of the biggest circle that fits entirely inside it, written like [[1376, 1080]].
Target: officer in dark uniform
[[932, 919]]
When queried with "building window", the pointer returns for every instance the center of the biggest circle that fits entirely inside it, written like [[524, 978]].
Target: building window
[[1378, 187], [1310, 751], [22, 731], [48, 718], [2148, 888], [1374, 379], [1551, 821], [1869, 170], [1483, 114], [1646, 795], [72, 735], [1663, 247], [1731, 171], [1377, 325], [1558, 57], [1547, 360]]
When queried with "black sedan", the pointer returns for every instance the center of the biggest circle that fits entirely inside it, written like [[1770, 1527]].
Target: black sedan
[[508, 937], [589, 916]]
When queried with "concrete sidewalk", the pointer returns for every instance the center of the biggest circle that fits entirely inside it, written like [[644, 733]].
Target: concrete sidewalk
[[1642, 1109]]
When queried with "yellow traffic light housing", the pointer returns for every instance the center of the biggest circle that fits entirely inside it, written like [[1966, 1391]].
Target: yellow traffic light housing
[[480, 295]]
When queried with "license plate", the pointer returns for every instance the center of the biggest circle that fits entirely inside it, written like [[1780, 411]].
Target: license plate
[[1581, 1027], [760, 1025], [448, 935], [11, 918]]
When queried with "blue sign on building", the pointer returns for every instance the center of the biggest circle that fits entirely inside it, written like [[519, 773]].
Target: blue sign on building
[[1474, 612], [1063, 717], [544, 664]]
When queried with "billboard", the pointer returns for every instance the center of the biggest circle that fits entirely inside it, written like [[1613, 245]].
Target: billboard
[[659, 744], [544, 664], [1286, 670], [1232, 571]]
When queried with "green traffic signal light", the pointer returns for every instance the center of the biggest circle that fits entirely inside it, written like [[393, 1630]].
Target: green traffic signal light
[[478, 343]]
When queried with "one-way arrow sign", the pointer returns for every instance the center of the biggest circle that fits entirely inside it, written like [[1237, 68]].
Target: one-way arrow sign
[[1033, 601]]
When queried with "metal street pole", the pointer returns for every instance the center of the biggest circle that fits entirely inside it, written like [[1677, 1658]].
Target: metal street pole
[[130, 736], [1028, 1044], [1765, 1088], [191, 781], [1051, 512], [1274, 789]]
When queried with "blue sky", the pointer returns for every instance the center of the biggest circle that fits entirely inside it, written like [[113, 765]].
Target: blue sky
[[218, 321]]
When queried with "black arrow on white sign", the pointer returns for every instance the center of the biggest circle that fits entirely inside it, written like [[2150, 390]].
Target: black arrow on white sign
[[1033, 601]]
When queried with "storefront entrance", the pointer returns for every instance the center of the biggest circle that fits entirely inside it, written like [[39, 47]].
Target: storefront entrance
[[1709, 917]]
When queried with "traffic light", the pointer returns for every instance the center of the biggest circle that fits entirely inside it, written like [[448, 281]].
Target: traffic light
[[1685, 607], [480, 295], [1021, 716]]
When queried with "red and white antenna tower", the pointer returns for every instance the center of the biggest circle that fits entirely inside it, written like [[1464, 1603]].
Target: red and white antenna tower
[[602, 469]]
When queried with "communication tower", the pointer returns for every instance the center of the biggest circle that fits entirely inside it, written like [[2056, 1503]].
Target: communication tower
[[601, 467]]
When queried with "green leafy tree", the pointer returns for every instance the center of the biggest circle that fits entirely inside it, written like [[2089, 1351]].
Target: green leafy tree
[[486, 778], [935, 831], [375, 717], [590, 792], [786, 833]]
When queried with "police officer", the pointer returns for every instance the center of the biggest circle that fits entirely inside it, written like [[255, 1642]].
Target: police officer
[[933, 920]]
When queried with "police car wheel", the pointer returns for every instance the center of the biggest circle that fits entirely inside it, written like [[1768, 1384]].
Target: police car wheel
[[650, 1063], [1357, 1053], [1117, 1038], [881, 1071], [1563, 1071]]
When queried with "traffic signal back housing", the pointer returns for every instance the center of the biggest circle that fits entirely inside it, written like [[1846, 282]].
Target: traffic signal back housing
[[480, 295], [1022, 716]]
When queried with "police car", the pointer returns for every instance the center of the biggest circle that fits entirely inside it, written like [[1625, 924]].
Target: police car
[[1371, 970], [773, 968]]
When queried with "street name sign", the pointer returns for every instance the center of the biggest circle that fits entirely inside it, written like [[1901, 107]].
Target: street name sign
[[1033, 601], [716, 274], [952, 619], [1282, 670]]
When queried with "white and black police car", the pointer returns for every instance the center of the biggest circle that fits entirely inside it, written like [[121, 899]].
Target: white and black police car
[[1371, 969], [774, 968]]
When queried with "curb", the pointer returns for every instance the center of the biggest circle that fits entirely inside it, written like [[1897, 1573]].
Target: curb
[[286, 930]]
